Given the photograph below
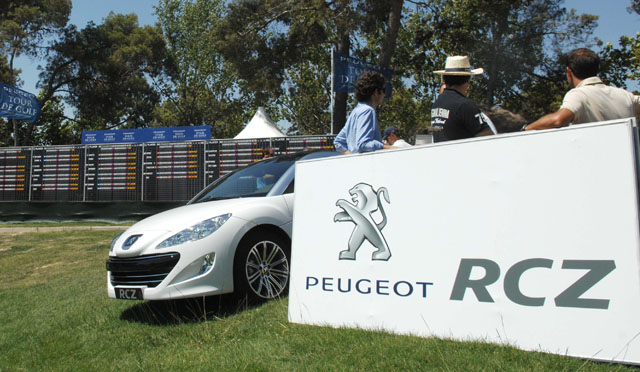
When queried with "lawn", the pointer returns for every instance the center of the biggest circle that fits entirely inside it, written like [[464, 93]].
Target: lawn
[[55, 316]]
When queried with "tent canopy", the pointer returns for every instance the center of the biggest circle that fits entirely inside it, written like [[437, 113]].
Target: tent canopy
[[260, 126]]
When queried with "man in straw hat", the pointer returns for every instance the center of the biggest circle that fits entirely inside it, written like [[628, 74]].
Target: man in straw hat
[[453, 115]]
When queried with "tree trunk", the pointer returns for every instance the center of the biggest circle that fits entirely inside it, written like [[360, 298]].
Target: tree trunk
[[389, 44]]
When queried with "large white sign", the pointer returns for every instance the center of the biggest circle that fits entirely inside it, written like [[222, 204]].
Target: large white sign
[[529, 239]]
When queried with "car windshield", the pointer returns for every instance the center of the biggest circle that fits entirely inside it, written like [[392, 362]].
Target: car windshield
[[254, 180]]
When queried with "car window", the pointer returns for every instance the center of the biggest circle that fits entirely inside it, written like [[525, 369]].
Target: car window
[[290, 188], [254, 180]]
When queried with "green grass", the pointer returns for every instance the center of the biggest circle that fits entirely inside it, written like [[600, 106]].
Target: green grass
[[55, 316]]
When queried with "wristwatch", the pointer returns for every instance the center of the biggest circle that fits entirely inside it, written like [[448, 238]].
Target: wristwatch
[[524, 127]]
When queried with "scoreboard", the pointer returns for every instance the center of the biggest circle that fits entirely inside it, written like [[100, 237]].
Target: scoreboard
[[56, 173], [233, 154], [113, 172], [295, 144], [173, 171], [157, 171], [14, 174]]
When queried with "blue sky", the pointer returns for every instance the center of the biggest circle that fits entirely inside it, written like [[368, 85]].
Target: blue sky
[[614, 22]]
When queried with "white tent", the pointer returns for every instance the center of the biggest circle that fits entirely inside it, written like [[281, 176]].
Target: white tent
[[260, 126]]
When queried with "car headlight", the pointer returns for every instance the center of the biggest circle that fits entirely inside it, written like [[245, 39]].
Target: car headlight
[[195, 232], [113, 242]]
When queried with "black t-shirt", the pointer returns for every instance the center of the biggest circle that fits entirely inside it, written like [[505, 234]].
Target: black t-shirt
[[453, 116]]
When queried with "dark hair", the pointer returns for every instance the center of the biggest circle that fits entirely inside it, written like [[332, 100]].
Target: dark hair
[[452, 80], [367, 84], [269, 152], [584, 63]]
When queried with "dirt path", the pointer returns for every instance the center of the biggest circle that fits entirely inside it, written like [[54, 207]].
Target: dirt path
[[14, 230]]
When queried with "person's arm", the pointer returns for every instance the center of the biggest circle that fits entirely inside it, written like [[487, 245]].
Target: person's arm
[[560, 118], [340, 142], [486, 132], [474, 121], [371, 145]]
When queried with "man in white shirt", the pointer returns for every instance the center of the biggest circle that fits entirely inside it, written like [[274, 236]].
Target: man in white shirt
[[392, 137], [589, 100]]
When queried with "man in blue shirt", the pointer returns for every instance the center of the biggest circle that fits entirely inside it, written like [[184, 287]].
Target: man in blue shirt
[[361, 132]]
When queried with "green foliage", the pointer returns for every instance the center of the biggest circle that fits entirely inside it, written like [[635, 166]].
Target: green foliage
[[273, 45], [204, 89], [507, 38], [24, 27], [404, 112], [213, 62], [105, 72], [58, 129], [305, 103], [25, 24], [622, 63]]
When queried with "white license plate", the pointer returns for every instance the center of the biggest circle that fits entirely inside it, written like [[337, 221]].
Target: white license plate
[[129, 293]]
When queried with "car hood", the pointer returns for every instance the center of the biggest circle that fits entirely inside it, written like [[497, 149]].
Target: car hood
[[177, 219]]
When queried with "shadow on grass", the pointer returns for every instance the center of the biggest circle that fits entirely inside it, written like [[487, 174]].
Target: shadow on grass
[[190, 310]]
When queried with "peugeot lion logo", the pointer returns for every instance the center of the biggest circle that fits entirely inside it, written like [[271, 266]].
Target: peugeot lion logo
[[367, 201]]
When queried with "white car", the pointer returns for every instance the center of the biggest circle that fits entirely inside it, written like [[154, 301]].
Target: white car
[[234, 236]]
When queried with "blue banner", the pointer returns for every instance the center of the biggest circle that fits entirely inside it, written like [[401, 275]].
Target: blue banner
[[18, 104], [177, 134], [347, 69], [172, 134]]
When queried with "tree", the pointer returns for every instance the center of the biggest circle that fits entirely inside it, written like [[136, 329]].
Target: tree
[[510, 38], [105, 71], [58, 130], [24, 26], [268, 41], [519, 43], [305, 102], [204, 89]]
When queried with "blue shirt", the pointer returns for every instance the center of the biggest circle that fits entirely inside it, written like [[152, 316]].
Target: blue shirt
[[361, 132]]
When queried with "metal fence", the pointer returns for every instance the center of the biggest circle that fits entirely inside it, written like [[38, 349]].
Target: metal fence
[[168, 171]]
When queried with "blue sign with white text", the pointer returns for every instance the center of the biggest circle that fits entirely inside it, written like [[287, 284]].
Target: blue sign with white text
[[348, 69], [18, 104], [172, 134]]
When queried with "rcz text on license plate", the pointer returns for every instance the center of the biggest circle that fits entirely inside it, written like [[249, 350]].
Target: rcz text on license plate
[[129, 293]]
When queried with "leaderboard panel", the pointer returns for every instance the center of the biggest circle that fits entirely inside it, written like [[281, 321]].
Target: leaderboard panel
[[238, 153], [173, 171], [113, 172], [212, 161], [14, 173], [57, 173], [296, 144]]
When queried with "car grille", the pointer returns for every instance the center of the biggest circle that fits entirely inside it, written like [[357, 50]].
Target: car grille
[[142, 271]]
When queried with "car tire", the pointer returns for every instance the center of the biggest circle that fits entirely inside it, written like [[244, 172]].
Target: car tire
[[261, 267]]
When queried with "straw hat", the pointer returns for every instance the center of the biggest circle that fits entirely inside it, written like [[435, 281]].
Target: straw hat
[[459, 65]]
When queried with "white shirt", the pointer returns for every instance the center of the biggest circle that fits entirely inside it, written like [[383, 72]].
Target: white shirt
[[593, 101], [401, 143]]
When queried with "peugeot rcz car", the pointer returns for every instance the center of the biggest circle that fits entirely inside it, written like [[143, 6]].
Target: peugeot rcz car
[[233, 236]]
